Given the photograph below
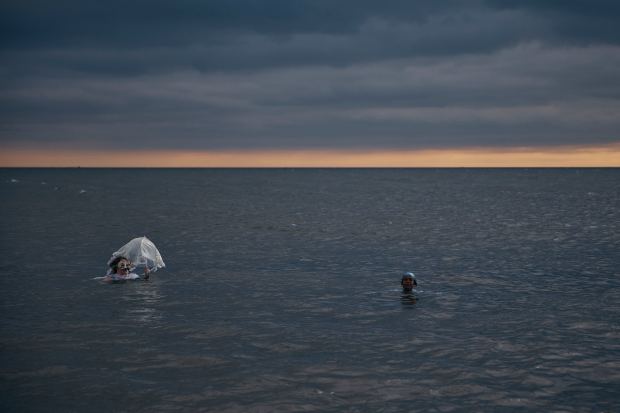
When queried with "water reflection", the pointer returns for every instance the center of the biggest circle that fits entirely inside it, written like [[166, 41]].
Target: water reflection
[[143, 299], [408, 299]]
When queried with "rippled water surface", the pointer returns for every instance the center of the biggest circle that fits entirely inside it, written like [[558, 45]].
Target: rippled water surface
[[281, 292]]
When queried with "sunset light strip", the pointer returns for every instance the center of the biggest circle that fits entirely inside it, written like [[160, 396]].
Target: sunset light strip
[[600, 156]]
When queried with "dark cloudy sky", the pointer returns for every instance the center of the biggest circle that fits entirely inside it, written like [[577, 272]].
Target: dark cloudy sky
[[317, 74]]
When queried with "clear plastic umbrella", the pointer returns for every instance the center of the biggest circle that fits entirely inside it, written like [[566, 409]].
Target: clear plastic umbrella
[[141, 252]]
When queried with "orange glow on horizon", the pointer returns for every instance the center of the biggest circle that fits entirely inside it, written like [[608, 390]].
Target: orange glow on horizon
[[602, 156]]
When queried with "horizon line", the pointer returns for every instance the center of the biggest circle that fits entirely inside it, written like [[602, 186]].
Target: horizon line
[[481, 157]]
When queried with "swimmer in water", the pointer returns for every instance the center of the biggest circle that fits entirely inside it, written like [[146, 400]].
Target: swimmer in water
[[121, 271], [408, 282]]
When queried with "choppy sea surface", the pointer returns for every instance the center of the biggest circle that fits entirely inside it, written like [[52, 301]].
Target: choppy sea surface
[[281, 291]]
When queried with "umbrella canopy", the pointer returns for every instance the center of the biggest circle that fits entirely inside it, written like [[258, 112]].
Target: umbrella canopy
[[141, 252]]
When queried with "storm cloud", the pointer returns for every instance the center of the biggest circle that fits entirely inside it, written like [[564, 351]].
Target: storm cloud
[[309, 74]]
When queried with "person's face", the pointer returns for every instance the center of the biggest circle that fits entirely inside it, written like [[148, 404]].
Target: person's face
[[123, 267], [407, 284]]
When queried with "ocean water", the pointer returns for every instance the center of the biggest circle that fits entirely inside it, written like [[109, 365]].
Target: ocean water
[[281, 292]]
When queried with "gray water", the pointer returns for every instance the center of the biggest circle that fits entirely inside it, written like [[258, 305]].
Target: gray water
[[281, 292]]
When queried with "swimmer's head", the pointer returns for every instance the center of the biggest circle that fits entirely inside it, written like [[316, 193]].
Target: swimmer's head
[[120, 265], [408, 281]]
